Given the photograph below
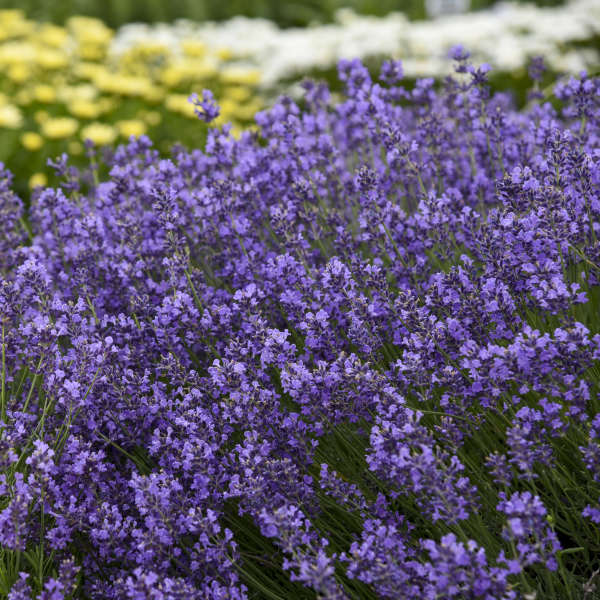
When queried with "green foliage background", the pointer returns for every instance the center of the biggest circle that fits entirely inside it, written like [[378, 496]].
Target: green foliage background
[[285, 13]]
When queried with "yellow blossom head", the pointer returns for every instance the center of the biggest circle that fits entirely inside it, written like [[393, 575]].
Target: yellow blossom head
[[89, 30], [247, 110], [236, 132], [32, 141], [240, 75], [10, 117], [83, 91], [193, 47], [224, 53], [52, 35], [179, 103], [99, 133], [44, 93], [187, 70], [123, 84], [84, 109], [17, 52], [237, 93], [153, 94], [51, 59], [38, 180], [89, 70], [19, 73], [59, 127], [130, 127], [14, 23]]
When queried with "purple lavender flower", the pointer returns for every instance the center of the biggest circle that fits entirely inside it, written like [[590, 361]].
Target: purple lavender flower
[[205, 107], [403, 453], [459, 570], [21, 590], [384, 560], [536, 68], [527, 529]]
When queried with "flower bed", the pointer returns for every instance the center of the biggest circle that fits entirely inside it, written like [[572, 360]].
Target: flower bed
[[353, 355], [506, 36], [60, 85]]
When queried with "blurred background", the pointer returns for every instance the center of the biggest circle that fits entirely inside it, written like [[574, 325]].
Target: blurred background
[[104, 70], [285, 13]]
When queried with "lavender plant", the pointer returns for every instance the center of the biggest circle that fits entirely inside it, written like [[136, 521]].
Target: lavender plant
[[351, 355]]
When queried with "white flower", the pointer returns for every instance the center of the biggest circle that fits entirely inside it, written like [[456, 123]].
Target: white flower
[[506, 36]]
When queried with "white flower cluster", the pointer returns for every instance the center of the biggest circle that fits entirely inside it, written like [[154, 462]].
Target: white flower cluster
[[506, 36]]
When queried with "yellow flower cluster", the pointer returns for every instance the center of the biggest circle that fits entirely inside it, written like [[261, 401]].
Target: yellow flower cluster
[[60, 84]]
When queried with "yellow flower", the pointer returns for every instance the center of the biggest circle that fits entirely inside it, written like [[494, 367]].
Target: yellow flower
[[10, 116], [224, 53], [17, 53], [19, 73], [220, 120], [179, 103], [247, 110], [153, 94], [130, 127], [14, 24], [59, 127], [189, 69], [89, 70], [52, 35], [92, 52], [89, 30], [202, 69], [193, 47], [238, 93], [99, 133], [84, 109], [236, 132], [237, 74], [48, 58], [124, 85], [228, 108], [32, 141], [145, 53], [172, 76], [37, 179], [71, 93], [44, 93], [92, 37]]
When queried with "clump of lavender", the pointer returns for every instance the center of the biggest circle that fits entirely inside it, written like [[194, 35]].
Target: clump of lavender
[[353, 354]]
